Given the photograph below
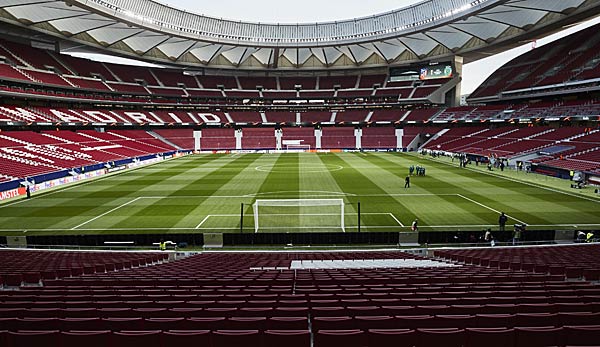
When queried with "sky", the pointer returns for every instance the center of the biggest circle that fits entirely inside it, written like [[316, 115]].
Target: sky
[[308, 11]]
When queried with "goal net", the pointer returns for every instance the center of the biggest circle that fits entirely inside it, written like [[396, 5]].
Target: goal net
[[296, 147], [299, 215]]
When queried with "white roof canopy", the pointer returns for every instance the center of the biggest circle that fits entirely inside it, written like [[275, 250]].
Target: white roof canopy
[[429, 30]]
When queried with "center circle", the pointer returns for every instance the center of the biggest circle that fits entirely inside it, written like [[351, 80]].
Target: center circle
[[302, 168]]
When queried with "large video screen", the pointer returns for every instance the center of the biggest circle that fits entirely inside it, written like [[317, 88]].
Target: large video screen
[[422, 72], [436, 71]]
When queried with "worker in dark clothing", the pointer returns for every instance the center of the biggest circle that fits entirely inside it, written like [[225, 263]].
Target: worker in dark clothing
[[407, 182], [502, 221], [28, 191]]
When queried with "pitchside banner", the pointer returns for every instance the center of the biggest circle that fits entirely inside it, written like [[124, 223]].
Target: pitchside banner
[[13, 193], [66, 180]]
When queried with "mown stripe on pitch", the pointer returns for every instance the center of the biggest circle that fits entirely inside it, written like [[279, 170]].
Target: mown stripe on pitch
[[567, 204], [198, 187], [136, 190], [240, 189], [282, 181], [486, 200], [351, 179], [400, 171], [73, 208]]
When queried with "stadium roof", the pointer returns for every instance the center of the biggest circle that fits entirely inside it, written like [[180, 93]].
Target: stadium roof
[[429, 30]]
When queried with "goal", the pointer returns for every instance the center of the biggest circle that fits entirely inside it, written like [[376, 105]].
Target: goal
[[297, 147], [299, 215]]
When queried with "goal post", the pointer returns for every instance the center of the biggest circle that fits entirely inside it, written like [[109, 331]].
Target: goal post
[[299, 214]]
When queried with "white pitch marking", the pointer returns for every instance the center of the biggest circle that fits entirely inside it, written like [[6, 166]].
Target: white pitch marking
[[396, 219], [105, 213], [489, 208], [204, 220]]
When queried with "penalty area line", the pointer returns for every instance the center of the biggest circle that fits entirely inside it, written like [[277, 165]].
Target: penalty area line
[[105, 213], [397, 220], [489, 208], [204, 220]]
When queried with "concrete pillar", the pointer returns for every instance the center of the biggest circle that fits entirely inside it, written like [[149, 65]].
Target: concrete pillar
[[318, 134], [278, 137], [238, 139], [458, 70], [358, 136], [197, 136], [399, 135]]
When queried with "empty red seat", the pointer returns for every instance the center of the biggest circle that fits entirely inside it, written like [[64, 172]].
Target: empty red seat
[[246, 323], [291, 311], [62, 273], [32, 277], [413, 322], [536, 319], [556, 270], [287, 323], [229, 338], [454, 321], [32, 338], [582, 335], [490, 337], [165, 323], [211, 323], [287, 338], [441, 337], [392, 337], [49, 275], [374, 322], [13, 280], [347, 338], [83, 324], [38, 323], [186, 338], [591, 274], [538, 336], [150, 338], [121, 323], [331, 323], [578, 318], [573, 272], [494, 320], [97, 338]]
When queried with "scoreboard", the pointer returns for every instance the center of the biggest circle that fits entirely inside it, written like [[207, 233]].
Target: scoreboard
[[436, 71], [422, 72]]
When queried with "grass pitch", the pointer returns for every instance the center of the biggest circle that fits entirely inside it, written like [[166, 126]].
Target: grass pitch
[[203, 193]]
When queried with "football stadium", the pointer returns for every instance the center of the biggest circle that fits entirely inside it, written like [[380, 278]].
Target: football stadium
[[423, 175]]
